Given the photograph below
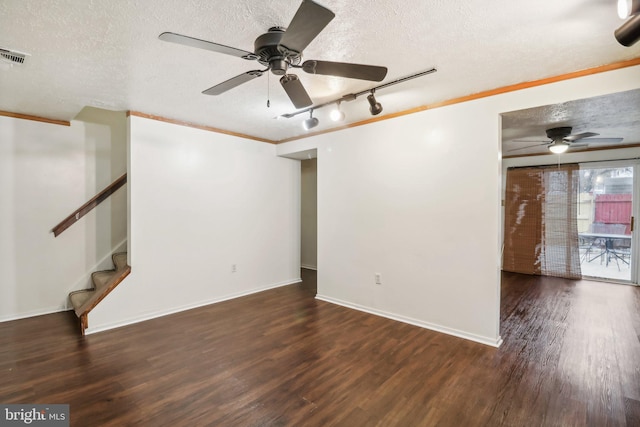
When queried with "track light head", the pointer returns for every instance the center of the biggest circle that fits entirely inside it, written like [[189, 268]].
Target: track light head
[[629, 32], [376, 107], [311, 122], [337, 115], [627, 8]]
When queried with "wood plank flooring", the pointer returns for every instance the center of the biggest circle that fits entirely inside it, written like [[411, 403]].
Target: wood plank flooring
[[571, 357]]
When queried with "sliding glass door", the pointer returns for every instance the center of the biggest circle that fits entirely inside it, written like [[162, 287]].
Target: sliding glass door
[[606, 219]]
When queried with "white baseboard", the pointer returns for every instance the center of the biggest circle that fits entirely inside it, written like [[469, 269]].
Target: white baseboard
[[309, 267], [32, 313], [161, 313], [427, 325]]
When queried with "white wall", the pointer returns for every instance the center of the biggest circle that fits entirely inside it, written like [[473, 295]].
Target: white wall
[[199, 203], [309, 213], [112, 218], [394, 196], [46, 172]]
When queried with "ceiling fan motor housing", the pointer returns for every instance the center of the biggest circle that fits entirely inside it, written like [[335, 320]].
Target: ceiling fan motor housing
[[270, 55], [559, 133]]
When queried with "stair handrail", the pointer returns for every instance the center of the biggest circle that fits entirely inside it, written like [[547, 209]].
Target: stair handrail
[[87, 207]]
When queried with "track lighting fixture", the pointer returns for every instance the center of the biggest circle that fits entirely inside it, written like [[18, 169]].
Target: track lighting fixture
[[337, 115], [311, 122], [376, 107], [629, 32], [558, 147]]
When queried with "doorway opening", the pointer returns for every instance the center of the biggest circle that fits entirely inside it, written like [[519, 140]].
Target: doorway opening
[[605, 221], [309, 219], [309, 214]]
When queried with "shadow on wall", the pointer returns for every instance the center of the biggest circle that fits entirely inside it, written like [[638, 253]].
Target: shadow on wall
[[308, 213], [106, 133]]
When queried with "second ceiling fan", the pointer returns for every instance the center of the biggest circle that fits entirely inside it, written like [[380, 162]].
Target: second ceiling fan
[[280, 49], [561, 139]]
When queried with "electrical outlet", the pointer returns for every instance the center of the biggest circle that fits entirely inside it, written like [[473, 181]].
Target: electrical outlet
[[378, 277], [233, 268]]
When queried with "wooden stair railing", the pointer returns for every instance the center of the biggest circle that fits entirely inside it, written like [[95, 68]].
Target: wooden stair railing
[[87, 207], [85, 300]]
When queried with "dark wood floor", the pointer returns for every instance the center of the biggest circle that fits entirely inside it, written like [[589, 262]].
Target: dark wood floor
[[571, 356]]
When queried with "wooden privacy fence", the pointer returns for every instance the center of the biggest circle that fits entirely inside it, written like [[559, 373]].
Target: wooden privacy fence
[[614, 209]]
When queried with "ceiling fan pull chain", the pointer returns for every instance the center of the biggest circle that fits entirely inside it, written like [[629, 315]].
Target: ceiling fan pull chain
[[268, 91]]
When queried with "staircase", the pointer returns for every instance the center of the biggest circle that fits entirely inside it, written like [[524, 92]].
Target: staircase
[[83, 301]]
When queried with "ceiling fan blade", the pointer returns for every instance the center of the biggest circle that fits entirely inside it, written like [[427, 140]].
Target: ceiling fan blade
[[578, 136], [601, 140], [203, 44], [546, 141], [296, 92], [308, 22], [233, 82], [343, 69], [578, 147], [528, 146]]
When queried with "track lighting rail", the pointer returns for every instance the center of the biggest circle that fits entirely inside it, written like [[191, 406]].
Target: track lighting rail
[[352, 96]]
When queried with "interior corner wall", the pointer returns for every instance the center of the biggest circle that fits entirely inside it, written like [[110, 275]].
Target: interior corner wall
[[414, 199], [309, 214], [46, 172], [201, 203], [112, 213], [417, 199]]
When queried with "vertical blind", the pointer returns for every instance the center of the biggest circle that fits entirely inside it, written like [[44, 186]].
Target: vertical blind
[[541, 227]]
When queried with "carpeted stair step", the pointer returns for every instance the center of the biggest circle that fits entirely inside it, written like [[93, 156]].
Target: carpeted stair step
[[120, 260], [100, 280], [78, 298]]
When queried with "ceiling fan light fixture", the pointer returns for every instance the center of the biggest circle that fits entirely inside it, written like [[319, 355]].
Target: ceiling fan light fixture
[[558, 147], [311, 122], [375, 107]]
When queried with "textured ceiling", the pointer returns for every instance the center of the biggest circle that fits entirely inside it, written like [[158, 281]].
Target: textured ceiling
[[107, 54], [611, 116]]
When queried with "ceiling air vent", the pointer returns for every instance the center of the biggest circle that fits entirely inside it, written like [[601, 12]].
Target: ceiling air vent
[[12, 56]]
